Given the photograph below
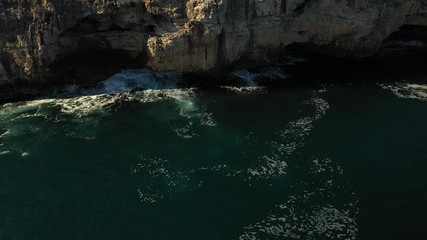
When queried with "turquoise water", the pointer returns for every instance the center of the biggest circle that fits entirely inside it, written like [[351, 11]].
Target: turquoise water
[[318, 161]]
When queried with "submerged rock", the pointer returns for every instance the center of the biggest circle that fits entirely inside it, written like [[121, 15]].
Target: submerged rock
[[86, 40]]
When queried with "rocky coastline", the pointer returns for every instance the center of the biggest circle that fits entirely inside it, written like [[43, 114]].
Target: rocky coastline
[[54, 42]]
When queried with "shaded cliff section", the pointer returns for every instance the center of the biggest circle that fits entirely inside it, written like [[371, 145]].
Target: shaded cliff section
[[85, 40]]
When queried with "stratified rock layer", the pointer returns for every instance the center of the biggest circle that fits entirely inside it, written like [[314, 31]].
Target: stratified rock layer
[[42, 39]]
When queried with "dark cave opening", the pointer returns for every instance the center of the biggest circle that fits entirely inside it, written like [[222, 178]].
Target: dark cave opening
[[88, 67]]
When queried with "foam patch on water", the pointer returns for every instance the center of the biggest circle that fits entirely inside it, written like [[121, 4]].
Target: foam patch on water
[[321, 106], [207, 119], [151, 169], [25, 154], [309, 212], [247, 90], [5, 133], [325, 222], [186, 131], [11, 111], [158, 181], [4, 152], [297, 130], [269, 167], [293, 138], [83, 128], [406, 90], [85, 105]]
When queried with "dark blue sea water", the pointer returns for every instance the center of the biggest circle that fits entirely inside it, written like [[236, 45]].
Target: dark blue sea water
[[142, 157]]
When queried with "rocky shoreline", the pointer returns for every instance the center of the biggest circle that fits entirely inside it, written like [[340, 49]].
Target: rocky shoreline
[[396, 60], [76, 41]]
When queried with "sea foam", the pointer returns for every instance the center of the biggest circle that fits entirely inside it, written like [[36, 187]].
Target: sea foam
[[140, 85], [250, 80], [406, 90], [307, 213]]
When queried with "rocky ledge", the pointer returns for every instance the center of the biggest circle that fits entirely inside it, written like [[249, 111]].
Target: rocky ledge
[[70, 40]]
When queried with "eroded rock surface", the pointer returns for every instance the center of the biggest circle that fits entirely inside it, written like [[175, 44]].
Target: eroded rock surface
[[42, 39]]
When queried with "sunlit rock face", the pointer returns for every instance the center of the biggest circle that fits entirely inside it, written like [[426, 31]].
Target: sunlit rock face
[[41, 40]]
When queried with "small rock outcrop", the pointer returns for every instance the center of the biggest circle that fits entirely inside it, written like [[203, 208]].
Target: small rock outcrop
[[42, 39]]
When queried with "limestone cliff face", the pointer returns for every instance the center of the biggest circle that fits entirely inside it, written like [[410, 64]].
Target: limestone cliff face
[[40, 38]]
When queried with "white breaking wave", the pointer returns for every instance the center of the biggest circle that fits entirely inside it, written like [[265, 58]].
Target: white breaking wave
[[85, 105], [246, 76], [406, 90], [142, 86], [154, 87], [250, 80], [129, 80], [79, 106], [250, 84]]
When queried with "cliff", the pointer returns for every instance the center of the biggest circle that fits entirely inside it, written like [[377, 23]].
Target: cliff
[[72, 39]]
